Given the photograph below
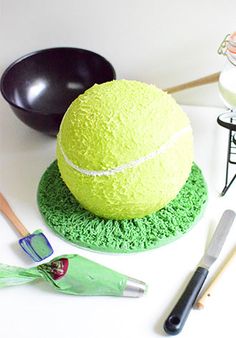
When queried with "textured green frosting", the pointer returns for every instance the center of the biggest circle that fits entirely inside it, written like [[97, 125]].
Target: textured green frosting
[[124, 149], [63, 214]]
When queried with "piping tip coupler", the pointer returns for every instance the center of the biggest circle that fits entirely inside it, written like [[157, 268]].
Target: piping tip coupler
[[134, 288]]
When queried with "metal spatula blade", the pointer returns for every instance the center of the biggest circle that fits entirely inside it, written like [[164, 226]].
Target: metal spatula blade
[[218, 239]]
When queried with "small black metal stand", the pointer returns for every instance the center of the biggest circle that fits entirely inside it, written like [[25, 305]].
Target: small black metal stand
[[228, 120]]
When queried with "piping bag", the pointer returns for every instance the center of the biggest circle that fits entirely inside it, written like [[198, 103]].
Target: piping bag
[[75, 275]]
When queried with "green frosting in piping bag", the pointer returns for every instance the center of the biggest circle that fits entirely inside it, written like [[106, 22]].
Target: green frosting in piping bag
[[83, 277], [75, 275]]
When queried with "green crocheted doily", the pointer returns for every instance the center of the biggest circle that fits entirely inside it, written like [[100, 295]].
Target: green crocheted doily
[[63, 214]]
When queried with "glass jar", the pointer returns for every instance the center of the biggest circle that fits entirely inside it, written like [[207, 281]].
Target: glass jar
[[227, 79]]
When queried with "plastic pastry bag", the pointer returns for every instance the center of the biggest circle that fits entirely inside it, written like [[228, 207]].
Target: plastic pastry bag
[[75, 275]]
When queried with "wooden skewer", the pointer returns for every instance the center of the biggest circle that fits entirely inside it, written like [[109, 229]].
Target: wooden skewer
[[199, 82], [201, 302], [9, 213]]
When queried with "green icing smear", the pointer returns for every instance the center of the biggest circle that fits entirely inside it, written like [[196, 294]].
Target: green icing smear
[[40, 245], [63, 214]]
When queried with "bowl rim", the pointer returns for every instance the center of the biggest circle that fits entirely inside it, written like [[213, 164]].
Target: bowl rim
[[36, 52]]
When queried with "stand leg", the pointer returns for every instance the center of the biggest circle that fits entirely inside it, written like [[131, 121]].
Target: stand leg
[[226, 187]]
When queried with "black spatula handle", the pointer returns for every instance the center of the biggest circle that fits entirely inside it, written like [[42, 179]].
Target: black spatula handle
[[176, 319]]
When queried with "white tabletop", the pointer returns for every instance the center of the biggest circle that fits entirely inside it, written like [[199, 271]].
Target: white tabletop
[[36, 310]]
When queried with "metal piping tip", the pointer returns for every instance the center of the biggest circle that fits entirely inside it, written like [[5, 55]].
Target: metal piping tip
[[134, 288]]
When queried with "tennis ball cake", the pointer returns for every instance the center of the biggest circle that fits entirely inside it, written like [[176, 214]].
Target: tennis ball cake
[[124, 149]]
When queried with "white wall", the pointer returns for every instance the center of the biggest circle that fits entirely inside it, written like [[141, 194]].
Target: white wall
[[157, 41]]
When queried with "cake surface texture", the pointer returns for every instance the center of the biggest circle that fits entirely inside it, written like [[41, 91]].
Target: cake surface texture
[[124, 149]]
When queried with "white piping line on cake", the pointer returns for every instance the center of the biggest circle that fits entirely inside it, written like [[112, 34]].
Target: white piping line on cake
[[131, 164]]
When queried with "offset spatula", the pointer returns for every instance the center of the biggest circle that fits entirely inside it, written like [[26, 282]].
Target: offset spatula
[[176, 319]]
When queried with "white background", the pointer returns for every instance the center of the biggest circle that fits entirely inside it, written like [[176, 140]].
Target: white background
[[157, 41], [154, 41], [37, 310]]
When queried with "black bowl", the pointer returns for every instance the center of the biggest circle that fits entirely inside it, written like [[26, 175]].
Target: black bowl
[[40, 86]]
